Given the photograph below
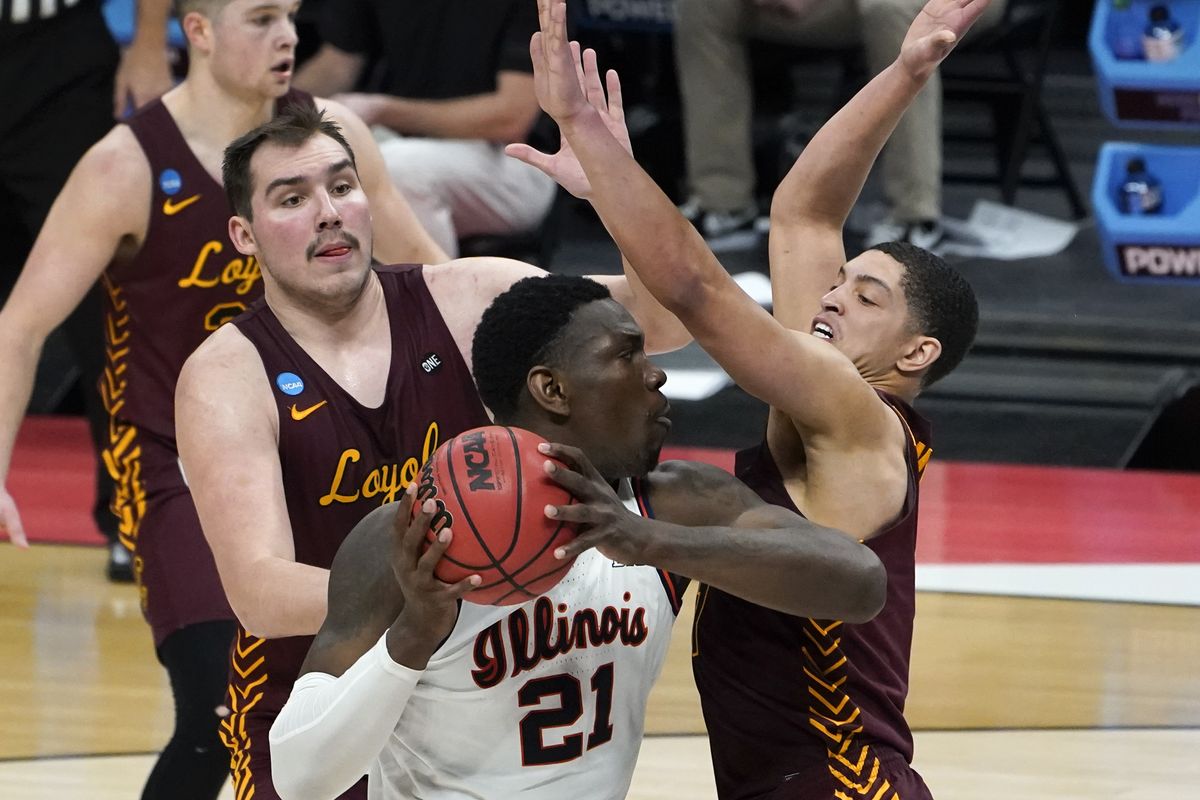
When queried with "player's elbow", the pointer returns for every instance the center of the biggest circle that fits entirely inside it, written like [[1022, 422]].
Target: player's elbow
[[867, 587], [298, 774]]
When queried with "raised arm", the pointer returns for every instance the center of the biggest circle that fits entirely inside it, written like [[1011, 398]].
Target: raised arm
[[387, 615], [711, 527], [227, 430], [399, 235], [811, 204], [78, 240], [779, 366]]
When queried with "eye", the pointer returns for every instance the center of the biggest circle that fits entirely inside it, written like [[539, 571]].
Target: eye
[[342, 188], [263, 20], [866, 301], [290, 200]]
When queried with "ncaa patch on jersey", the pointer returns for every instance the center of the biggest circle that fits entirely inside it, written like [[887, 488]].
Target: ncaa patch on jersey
[[170, 182], [289, 383]]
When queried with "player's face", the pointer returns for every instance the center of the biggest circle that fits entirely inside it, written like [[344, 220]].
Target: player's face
[[865, 314], [254, 46], [618, 412], [311, 230]]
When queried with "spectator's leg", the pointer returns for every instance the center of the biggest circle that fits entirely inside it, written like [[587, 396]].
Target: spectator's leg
[[715, 85], [464, 188]]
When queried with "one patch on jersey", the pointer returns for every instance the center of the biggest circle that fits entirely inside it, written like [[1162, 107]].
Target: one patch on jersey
[[170, 182], [289, 383], [431, 363]]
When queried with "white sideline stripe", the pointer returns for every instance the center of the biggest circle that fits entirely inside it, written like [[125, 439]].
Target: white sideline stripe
[[1176, 584]]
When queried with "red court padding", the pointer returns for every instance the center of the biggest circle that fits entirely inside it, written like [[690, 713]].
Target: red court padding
[[970, 513], [52, 479]]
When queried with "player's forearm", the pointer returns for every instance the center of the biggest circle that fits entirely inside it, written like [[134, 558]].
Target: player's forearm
[[662, 329], [667, 252], [811, 572], [21, 355], [151, 28], [827, 178], [400, 238], [492, 117], [332, 729], [274, 597]]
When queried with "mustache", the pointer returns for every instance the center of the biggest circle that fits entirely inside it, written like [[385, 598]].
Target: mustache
[[348, 238]]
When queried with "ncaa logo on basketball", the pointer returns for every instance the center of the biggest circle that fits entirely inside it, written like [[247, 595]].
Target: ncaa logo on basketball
[[478, 461], [431, 363], [289, 383], [170, 182]]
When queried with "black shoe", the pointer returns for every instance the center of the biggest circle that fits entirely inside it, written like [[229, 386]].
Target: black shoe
[[120, 563]]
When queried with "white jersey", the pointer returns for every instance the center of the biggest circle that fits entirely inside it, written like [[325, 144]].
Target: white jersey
[[542, 700]]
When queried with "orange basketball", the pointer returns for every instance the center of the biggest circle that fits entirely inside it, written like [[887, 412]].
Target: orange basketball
[[490, 487]]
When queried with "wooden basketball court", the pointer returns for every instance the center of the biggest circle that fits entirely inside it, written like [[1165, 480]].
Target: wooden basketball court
[[1012, 697]]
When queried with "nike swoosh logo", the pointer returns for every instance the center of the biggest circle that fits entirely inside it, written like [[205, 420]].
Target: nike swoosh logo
[[300, 413], [171, 209]]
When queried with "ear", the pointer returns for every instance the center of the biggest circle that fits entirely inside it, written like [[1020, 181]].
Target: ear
[[242, 236], [548, 391], [198, 30], [920, 354]]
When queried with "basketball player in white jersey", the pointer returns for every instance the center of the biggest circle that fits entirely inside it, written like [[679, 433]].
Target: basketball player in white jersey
[[437, 698]]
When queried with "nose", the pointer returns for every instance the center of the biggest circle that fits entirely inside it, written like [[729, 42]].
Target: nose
[[289, 38], [655, 377], [832, 301], [328, 215]]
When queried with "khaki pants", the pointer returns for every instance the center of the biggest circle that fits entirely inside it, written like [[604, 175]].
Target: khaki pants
[[711, 39]]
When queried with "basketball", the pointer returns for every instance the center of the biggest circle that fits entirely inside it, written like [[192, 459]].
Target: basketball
[[491, 488]]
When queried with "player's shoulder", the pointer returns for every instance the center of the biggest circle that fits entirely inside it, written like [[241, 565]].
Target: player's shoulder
[[476, 278], [118, 160], [225, 353]]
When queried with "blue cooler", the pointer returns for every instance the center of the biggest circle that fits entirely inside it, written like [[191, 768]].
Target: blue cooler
[[1150, 248], [1135, 92]]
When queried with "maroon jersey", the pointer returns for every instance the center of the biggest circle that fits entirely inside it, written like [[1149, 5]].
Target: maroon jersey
[[184, 281], [804, 706], [341, 460]]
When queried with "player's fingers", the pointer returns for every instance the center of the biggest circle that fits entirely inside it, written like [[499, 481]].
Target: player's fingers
[[414, 534], [578, 545], [592, 84], [575, 514], [441, 543], [616, 101], [463, 587], [574, 482], [571, 456], [531, 156]]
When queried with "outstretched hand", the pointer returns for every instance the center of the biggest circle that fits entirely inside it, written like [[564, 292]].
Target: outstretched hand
[[602, 519], [564, 94], [935, 32]]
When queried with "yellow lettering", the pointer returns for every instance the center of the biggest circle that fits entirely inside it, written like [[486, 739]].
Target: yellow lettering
[[349, 456], [194, 279], [387, 480]]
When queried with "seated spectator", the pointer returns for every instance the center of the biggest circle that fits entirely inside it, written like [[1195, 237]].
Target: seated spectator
[[449, 84], [711, 38]]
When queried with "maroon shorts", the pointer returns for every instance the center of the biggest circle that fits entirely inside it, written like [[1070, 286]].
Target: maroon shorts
[[174, 567], [872, 773]]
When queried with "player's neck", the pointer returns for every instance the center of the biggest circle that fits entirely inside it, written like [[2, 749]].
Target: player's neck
[[318, 323], [210, 116]]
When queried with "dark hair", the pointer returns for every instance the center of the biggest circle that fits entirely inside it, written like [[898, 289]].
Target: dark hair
[[521, 329], [941, 302], [208, 8], [293, 126]]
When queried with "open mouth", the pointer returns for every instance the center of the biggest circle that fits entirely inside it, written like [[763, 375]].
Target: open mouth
[[283, 67], [822, 331]]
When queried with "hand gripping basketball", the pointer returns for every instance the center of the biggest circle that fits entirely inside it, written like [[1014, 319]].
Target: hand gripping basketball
[[490, 485]]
